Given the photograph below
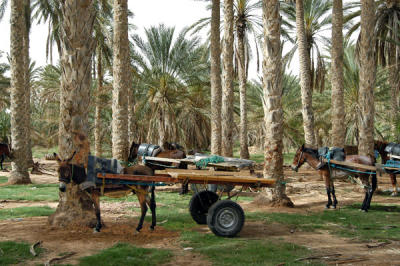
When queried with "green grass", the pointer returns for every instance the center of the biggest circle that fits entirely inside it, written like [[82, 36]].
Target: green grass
[[3, 179], [126, 254], [380, 223], [40, 152], [23, 212], [237, 251], [35, 192], [14, 252]]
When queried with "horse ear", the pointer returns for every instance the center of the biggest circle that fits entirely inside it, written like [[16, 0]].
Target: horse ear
[[57, 158], [68, 160]]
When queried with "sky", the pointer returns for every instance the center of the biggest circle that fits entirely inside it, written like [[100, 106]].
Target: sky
[[178, 13]]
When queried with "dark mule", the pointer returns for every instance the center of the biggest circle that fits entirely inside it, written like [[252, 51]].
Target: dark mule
[[379, 146], [4, 151], [68, 173], [310, 156]]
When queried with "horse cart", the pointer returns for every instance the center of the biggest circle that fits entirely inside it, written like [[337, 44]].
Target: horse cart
[[224, 217]]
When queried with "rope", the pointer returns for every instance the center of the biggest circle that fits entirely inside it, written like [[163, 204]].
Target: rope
[[352, 170]]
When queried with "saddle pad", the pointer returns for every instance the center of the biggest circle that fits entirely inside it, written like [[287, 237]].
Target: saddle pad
[[148, 150], [334, 153], [100, 165], [393, 148]]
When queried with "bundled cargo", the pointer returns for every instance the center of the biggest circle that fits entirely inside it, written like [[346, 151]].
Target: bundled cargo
[[333, 153]]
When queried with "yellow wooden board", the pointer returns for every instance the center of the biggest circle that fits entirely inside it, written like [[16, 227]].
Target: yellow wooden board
[[353, 165]]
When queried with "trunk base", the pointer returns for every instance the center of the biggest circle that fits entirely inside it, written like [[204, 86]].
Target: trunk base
[[19, 178], [75, 208], [267, 198], [283, 201]]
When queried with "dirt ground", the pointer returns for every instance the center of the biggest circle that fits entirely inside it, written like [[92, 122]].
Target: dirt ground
[[304, 188]]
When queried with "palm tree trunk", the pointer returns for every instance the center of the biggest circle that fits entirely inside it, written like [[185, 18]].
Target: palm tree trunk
[[305, 78], [227, 95], [120, 147], [394, 89], [272, 101], [97, 118], [338, 115], [19, 173], [216, 89], [244, 149], [77, 46], [131, 110], [367, 79], [29, 159]]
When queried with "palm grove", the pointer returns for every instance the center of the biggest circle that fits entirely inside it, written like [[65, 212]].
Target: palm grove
[[115, 86]]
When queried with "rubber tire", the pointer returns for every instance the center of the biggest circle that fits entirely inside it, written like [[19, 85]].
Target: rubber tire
[[226, 207], [199, 205]]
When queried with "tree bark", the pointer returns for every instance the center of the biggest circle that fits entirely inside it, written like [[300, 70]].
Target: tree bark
[[216, 88], [272, 101], [305, 78], [98, 151], [227, 95], [338, 110], [393, 79], [367, 79], [19, 172], [120, 147], [244, 149], [77, 46]]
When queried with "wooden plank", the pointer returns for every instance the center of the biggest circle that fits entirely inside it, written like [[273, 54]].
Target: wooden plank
[[157, 159], [208, 172], [394, 156], [353, 165], [144, 178]]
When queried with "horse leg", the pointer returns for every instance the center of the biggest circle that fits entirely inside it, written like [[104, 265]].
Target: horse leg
[[153, 209], [1, 162], [335, 202], [394, 184], [328, 190], [96, 203], [371, 191], [365, 182], [143, 206]]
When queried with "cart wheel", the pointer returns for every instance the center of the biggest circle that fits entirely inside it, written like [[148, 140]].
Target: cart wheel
[[199, 205], [225, 218]]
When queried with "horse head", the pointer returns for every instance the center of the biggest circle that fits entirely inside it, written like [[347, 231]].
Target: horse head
[[299, 159], [133, 152], [65, 171]]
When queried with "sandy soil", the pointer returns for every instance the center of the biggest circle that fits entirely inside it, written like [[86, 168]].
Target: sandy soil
[[304, 188]]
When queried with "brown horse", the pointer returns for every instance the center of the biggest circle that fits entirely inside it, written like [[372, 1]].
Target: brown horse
[[68, 173], [379, 146], [310, 156], [4, 151]]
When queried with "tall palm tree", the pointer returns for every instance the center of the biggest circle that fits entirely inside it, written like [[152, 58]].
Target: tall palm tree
[[338, 129], [216, 88], [272, 100], [121, 83], [19, 173], [367, 78], [77, 47], [227, 94]]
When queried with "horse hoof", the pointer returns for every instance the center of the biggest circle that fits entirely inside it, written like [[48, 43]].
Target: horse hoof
[[394, 194], [95, 231], [333, 207], [136, 232], [327, 207], [152, 229]]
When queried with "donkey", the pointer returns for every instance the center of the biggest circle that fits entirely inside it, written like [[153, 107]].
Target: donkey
[[5, 150], [68, 172], [310, 156]]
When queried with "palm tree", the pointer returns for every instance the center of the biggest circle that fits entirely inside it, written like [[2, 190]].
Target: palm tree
[[77, 47], [272, 101], [338, 129], [216, 89], [172, 71], [227, 93], [121, 83], [19, 174], [367, 78]]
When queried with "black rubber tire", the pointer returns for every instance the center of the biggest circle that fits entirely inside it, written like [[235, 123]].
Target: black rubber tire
[[225, 218], [199, 205]]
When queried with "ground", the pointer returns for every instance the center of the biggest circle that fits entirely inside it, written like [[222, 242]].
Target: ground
[[304, 188]]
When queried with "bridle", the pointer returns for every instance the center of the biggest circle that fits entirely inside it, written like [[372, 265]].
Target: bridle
[[298, 161]]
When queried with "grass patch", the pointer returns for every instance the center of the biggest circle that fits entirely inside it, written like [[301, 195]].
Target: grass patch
[[40, 152], [34, 192], [126, 254], [237, 251], [14, 252], [23, 212], [380, 223], [3, 179]]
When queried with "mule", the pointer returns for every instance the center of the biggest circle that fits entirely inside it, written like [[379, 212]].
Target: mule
[[380, 147], [76, 174], [310, 156], [5, 150]]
